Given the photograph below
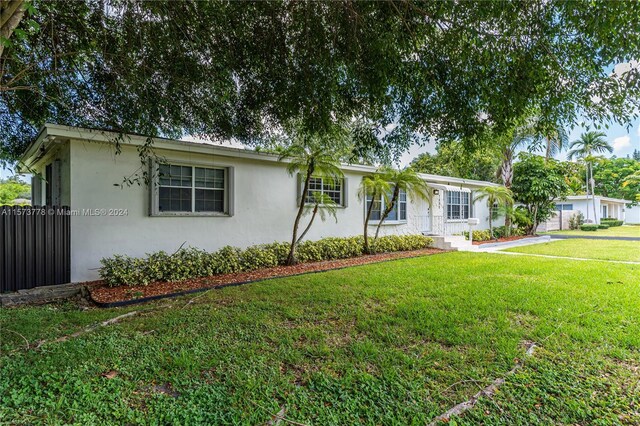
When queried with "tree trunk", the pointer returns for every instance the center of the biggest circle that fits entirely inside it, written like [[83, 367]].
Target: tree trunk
[[291, 259], [11, 13], [313, 216], [593, 193], [586, 181], [491, 221], [535, 220], [367, 250], [394, 198], [506, 173]]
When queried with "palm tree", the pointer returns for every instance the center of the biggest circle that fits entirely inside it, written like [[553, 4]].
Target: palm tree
[[406, 180], [499, 195], [322, 204], [310, 158], [585, 148], [555, 141], [527, 136], [371, 186]]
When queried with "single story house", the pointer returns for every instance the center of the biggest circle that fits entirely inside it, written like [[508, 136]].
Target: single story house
[[606, 207], [632, 215], [207, 196]]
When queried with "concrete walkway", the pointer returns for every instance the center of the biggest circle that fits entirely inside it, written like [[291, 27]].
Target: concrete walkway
[[492, 247], [510, 253], [593, 237]]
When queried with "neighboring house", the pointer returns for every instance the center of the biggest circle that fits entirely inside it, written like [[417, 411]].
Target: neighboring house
[[605, 208], [632, 215], [207, 196]]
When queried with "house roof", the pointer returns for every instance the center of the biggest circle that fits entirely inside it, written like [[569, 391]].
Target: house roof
[[50, 133], [600, 197]]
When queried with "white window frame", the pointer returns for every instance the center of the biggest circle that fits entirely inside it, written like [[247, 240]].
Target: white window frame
[[387, 221], [228, 196], [343, 191], [447, 204], [562, 206]]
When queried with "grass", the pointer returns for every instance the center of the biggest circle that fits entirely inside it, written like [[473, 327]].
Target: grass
[[615, 231], [587, 249], [390, 343]]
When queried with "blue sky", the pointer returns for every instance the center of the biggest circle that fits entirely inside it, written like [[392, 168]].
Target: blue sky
[[623, 141]]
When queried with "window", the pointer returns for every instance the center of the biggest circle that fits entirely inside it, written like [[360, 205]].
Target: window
[[398, 214], [564, 207], [188, 189], [457, 205], [333, 188]]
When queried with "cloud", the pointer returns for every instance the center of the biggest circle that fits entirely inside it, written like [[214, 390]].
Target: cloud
[[621, 143], [638, 131]]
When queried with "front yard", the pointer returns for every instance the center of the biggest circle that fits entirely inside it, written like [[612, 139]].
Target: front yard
[[391, 343], [615, 231], [587, 249]]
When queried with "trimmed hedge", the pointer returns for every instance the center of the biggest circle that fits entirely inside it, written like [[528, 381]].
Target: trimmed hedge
[[589, 227], [193, 263], [603, 226], [611, 222]]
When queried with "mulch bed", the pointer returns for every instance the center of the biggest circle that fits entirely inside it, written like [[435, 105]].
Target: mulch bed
[[106, 296], [502, 240]]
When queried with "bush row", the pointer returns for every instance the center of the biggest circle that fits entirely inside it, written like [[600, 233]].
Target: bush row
[[498, 232], [611, 222], [193, 263], [589, 227]]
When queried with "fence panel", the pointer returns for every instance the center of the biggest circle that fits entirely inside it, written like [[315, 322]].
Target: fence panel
[[35, 247]]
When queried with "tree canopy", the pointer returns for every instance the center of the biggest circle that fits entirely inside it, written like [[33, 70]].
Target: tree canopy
[[409, 70]]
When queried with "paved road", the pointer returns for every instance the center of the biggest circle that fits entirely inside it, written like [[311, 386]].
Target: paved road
[[594, 237]]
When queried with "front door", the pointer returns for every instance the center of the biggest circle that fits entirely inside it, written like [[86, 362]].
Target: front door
[[605, 212]]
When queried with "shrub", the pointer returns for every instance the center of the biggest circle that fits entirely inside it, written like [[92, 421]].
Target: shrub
[[500, 231], [192, 262], [392, 243], [589, 227], [603, 226], [479, 235], [576, 220], [124, 270], [257, 257], [611, 222]]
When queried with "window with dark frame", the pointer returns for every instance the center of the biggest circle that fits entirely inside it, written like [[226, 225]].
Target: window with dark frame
[[190, 189]]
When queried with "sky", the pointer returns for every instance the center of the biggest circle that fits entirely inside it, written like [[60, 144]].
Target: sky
[[623, 141]]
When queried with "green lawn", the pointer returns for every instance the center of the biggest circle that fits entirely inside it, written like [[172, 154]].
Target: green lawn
[[587, 249], [616, 231], [390, 343]]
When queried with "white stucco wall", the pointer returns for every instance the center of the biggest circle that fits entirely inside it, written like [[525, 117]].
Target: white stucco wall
[[632, 215], [264, 207]]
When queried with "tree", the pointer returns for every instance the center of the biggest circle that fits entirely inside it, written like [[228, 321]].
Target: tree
[[373, 187], [496, 197], [13, 188], [406, 180], [404, 67], [311, 157], [589, 144], [636, 155], [478, 162], [613, 177], [537, 183]]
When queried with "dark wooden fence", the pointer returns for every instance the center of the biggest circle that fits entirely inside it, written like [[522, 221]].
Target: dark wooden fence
[[35, 247]]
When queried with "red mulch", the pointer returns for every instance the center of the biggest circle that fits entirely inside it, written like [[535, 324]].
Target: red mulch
[[502, 240], [100, 293]]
